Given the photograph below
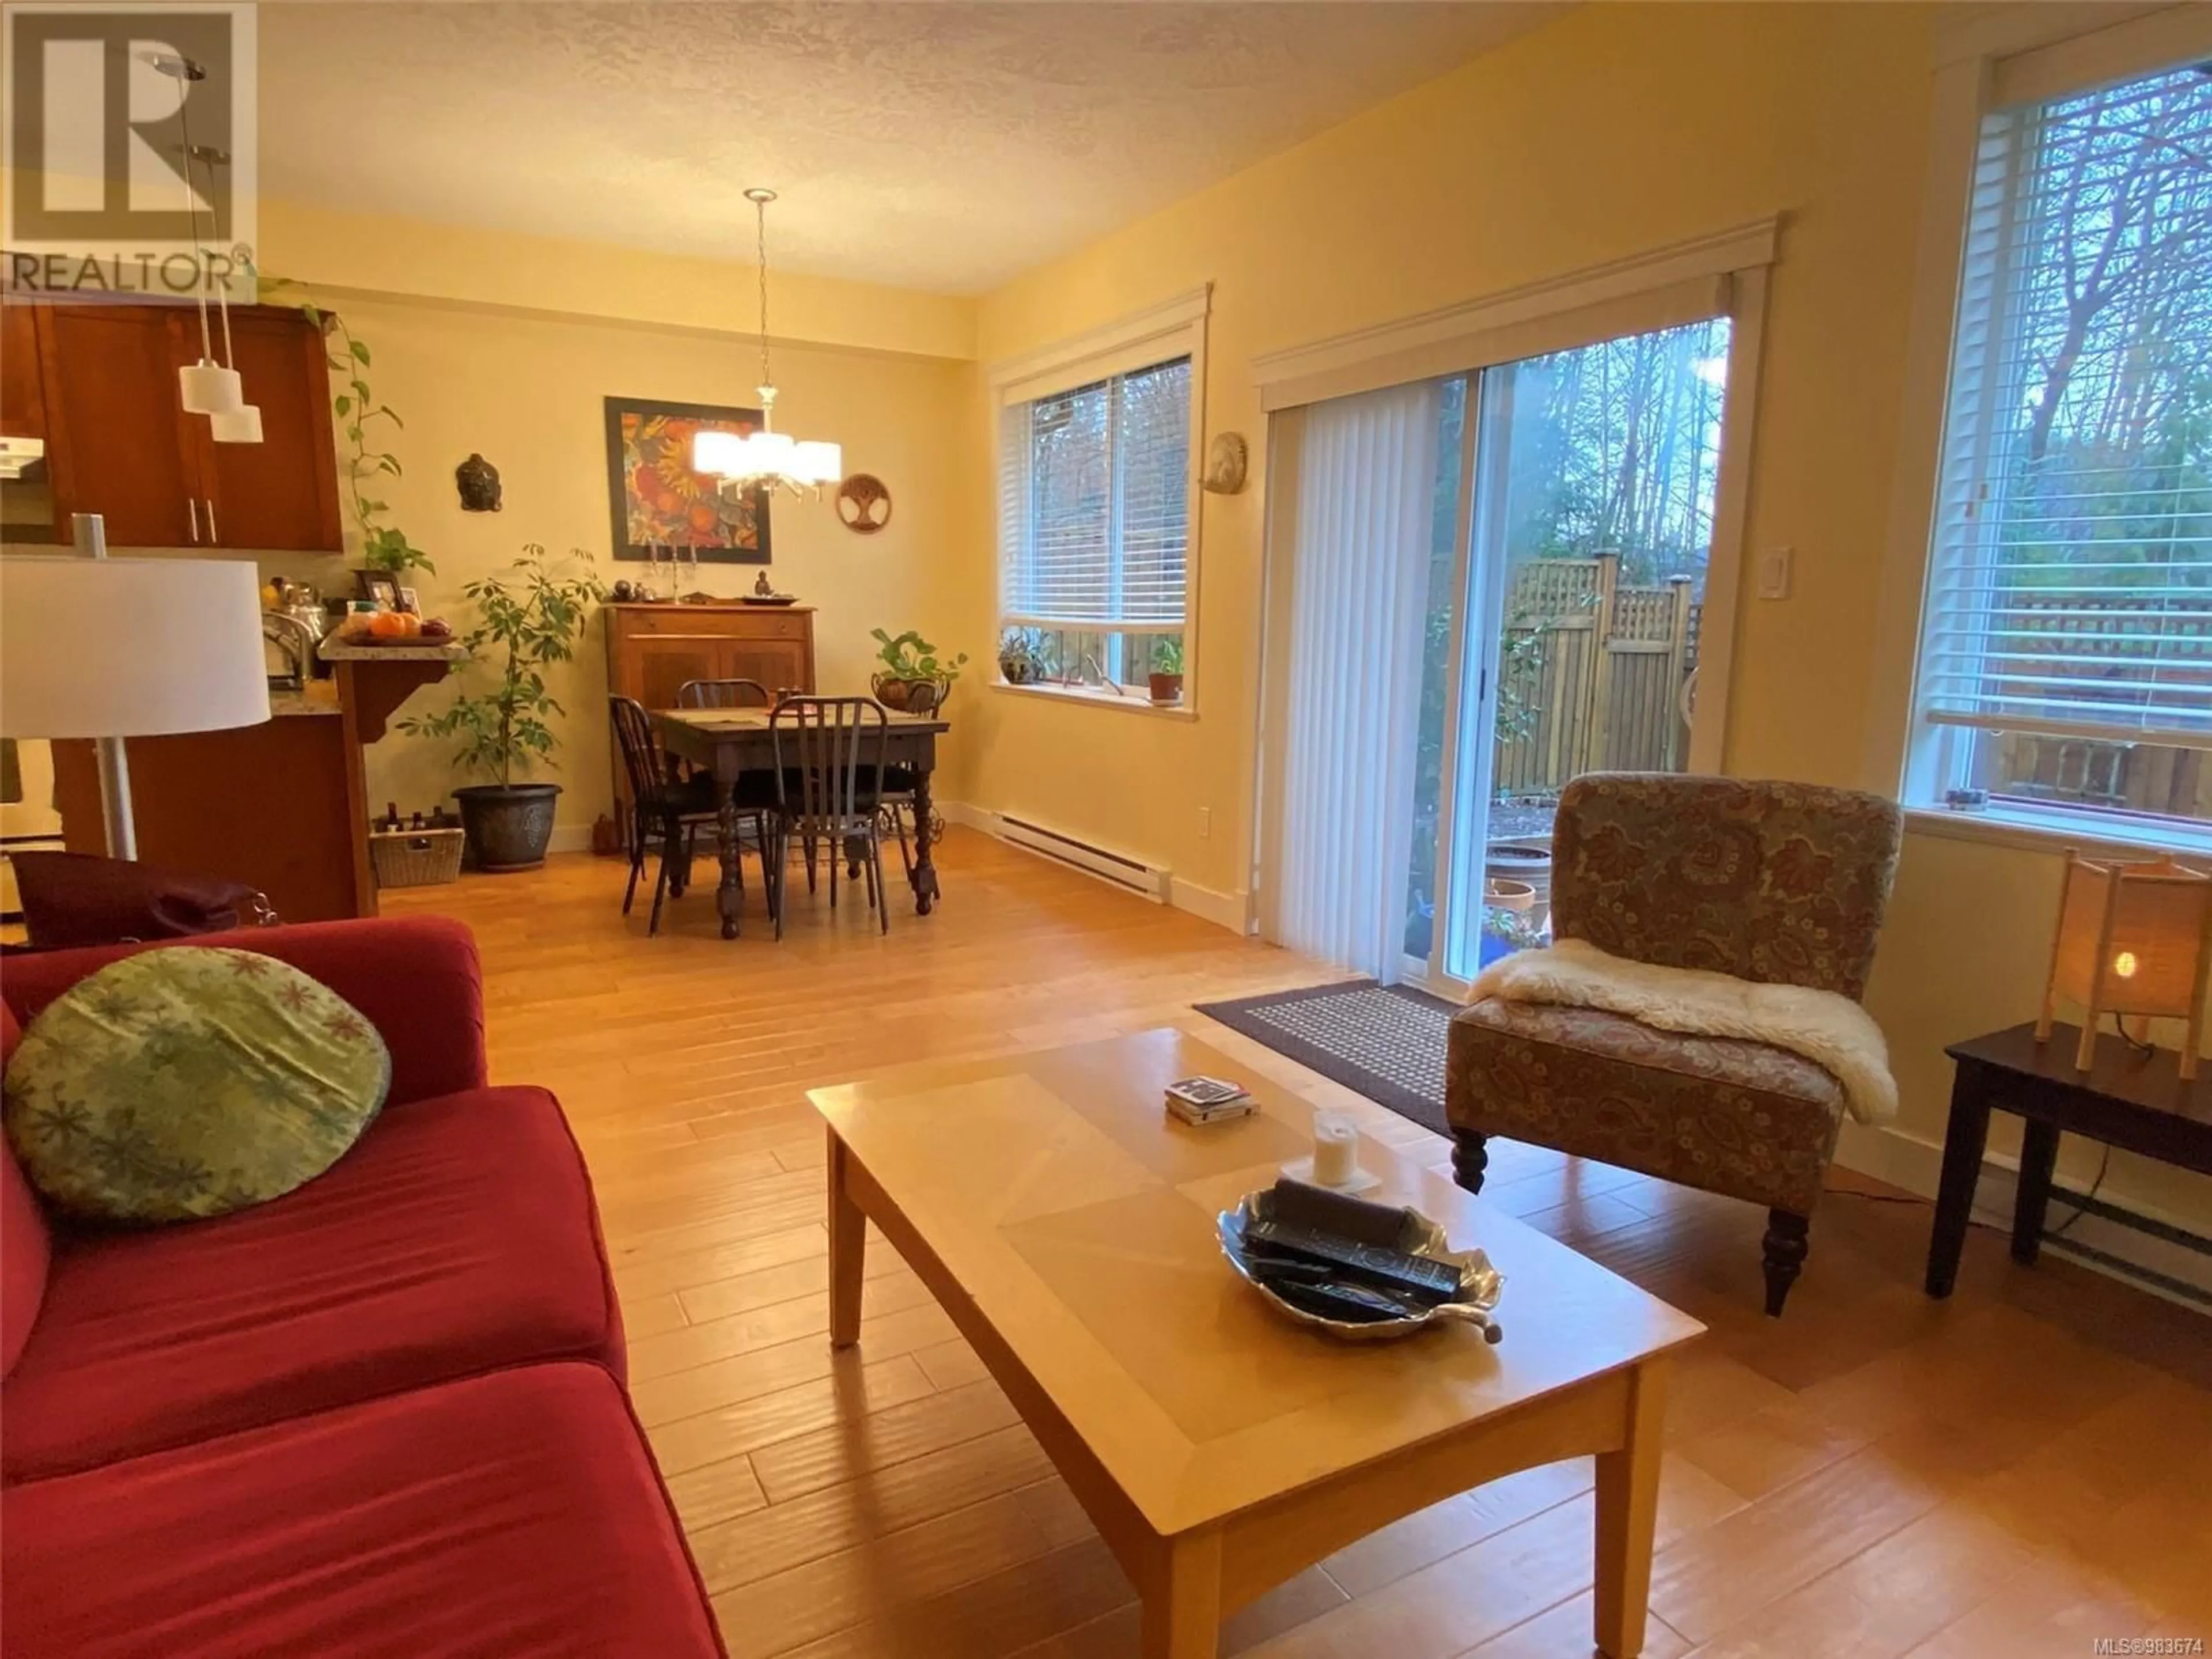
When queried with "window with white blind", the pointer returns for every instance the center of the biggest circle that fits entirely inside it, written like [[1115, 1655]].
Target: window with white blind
[[2065, 665], [1094, 525]]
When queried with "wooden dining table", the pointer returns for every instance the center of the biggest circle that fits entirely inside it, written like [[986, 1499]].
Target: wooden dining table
[[731, 742]]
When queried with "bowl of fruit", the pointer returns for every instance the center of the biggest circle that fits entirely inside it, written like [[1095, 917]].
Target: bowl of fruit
[[401, 628]]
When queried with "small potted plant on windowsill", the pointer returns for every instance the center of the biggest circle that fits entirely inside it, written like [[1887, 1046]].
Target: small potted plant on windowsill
[[910, 661], [1167, 669], [1025, 656], [535, 618]]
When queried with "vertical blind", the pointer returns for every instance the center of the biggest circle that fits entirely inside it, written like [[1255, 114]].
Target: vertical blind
[[2070, 580], [1094, 503], [1358, 571]]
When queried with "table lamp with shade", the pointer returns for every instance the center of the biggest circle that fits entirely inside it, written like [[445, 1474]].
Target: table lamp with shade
[[2134, 941], [92, 647]]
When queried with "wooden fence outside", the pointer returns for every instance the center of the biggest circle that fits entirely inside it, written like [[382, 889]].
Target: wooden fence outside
[[1598, 669], [2085, 630]]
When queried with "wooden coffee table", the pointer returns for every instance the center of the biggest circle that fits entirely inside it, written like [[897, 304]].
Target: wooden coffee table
[[1068, 1226]]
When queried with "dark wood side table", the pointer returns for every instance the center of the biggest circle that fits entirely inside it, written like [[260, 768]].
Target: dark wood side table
[[2135, 1102]]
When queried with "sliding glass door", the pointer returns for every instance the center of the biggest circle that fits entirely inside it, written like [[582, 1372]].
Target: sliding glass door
[[1561, 632]]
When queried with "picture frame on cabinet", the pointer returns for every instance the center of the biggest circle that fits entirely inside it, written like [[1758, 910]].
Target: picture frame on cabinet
[[377, 587], [656, 503]]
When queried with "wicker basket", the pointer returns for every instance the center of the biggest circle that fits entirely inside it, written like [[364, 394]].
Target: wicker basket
[[415, 858]]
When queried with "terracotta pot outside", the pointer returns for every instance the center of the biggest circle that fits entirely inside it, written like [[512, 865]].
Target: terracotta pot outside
[[1507, 894]]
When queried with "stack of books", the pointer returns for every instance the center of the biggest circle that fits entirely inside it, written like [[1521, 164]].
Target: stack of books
[[1209, 1100]]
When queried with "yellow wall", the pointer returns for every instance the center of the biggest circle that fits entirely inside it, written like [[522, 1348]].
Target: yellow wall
[[525, 388], [1614, 131]]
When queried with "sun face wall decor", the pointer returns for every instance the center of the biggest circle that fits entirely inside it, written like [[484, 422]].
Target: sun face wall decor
[[658, 500]]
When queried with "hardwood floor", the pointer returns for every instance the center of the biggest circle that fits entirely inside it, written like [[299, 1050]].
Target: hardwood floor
[[2015, 1473]]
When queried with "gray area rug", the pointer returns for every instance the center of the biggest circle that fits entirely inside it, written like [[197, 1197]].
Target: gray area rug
[[1386, 1042]]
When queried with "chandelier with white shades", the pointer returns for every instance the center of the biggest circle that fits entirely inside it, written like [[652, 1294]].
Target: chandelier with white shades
[[766, 459]]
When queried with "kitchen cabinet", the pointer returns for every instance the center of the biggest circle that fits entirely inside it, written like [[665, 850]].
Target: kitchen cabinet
[[652, 649], [23, 405], [119, 444], [283, 492], [27, 508]]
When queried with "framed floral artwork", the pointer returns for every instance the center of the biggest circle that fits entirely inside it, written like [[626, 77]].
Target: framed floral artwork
[[656, 500]]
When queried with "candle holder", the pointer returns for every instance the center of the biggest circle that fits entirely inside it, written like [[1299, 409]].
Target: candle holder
[[2134, 940]]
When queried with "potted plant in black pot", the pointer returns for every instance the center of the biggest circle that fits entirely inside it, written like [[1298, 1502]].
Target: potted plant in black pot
[[533, 616]]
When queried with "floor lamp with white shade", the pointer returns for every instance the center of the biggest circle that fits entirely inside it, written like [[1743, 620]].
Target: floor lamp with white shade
[[92, 647]]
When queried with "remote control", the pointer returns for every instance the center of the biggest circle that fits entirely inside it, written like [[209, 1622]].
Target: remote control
[[1375, 1264], [1361, 1220], [1354, 1305]]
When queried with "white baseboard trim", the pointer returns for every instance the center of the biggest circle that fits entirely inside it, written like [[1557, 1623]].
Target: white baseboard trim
[[969, 818], [1230, 910], [2152, 1249]]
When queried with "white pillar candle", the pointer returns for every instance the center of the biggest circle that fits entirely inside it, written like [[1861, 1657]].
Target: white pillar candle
[[1336, 1148]]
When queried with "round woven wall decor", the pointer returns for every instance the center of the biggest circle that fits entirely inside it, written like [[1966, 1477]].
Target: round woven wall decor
[[864, 505]]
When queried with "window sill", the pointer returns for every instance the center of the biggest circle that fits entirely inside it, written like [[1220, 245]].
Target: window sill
[[1094, 698], [2033, 832]]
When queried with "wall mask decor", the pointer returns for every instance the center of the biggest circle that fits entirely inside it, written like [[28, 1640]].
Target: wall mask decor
[[864, 504], [1226, 460], [479, 482]]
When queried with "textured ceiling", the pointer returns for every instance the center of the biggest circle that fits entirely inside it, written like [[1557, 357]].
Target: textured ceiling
[[938, 146]]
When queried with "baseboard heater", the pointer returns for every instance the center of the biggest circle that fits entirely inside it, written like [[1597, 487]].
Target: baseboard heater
[[1147, 880], [2163, 1257], [2170, 1260]]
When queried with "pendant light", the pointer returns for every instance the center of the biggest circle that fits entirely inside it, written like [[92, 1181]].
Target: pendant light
[[241, 425], [766, 459], [206, 386]]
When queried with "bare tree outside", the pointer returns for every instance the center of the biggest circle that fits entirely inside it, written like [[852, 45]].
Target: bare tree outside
[[1609, 469], [2091, 505]]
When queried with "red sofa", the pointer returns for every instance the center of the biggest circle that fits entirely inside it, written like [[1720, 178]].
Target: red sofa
[[382, 1415]]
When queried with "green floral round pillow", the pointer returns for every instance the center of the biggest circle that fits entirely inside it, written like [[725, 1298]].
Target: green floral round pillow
[[190, 1082]]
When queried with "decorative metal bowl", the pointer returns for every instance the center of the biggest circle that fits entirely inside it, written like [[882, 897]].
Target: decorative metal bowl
[[1480, 1285]]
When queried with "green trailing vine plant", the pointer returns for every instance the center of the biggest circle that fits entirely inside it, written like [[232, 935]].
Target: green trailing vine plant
[[908, 656], [383, 545]]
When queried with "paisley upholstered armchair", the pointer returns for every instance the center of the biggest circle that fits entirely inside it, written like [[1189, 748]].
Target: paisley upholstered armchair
[[1783, 882]]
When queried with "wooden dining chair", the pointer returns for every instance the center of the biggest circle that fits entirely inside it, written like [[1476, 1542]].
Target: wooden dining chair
[[663, 809], [830, 754], [723, 694]]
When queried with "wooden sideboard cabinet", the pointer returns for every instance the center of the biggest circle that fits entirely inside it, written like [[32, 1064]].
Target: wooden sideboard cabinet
[[652, 649], [99, 384]]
